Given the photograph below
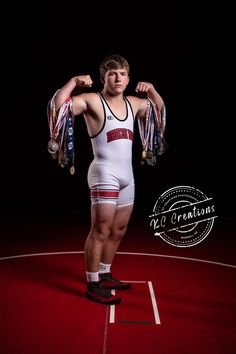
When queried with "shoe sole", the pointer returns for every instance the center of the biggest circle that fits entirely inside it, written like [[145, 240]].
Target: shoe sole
[[107, 302]]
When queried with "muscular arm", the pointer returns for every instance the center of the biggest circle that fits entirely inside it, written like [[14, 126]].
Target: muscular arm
[[152, 94], [65, 92]]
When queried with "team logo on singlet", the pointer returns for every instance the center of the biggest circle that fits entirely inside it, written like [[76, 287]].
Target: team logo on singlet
[[110, 117], [119, 133]]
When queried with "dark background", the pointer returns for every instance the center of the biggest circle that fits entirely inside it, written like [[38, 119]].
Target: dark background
[[184, 49]]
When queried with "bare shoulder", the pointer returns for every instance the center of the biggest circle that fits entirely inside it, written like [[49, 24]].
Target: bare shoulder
[[87, 97], [139, 105]]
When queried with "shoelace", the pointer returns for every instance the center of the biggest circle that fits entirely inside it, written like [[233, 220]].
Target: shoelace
[[114, 280], [110, 278], [102, 291]]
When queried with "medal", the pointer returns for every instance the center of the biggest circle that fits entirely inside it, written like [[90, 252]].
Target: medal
[[144, 154], [53, 146], [72, 170], [152, 161], [149, 154], [151, 129], [61, 125], [151, 158], [63, 159]]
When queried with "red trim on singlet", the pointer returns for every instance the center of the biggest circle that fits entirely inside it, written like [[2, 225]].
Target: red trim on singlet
[[104, 193]]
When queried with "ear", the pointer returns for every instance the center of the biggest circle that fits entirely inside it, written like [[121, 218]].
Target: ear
[[102, 80]]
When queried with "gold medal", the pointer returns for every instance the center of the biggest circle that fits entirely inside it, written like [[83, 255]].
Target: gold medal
[[144, 154]]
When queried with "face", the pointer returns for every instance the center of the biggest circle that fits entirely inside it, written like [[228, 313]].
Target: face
[[116, 80]]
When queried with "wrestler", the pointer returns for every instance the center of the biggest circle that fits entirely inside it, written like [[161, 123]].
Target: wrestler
[[109, 117]]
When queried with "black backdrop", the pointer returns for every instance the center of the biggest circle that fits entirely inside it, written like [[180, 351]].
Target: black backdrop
[[183, 49]]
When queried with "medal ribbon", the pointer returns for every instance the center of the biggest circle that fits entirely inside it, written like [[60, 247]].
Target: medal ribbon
[[152, 129], [61, 127]]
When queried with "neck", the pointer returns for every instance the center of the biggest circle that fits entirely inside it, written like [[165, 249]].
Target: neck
[[112, 97]]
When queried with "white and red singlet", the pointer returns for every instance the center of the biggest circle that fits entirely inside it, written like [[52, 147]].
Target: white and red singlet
[[110, 175]]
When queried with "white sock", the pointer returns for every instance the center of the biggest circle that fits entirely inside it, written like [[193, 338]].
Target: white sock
[[104, 268], [92, 276]]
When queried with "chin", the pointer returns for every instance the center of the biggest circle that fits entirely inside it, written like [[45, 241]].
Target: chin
[[119, 89]]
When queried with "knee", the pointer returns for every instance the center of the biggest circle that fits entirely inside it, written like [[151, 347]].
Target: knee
[[118, 232], [99, 234]]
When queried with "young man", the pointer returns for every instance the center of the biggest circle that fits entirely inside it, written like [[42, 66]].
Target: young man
[[109, 117]]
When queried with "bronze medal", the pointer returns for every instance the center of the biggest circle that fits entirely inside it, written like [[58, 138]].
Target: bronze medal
[[150, 155], [72, 170]]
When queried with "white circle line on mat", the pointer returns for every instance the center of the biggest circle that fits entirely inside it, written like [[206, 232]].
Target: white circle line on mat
[[122, 253]]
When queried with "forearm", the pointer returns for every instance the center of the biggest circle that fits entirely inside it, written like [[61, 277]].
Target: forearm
[[64, 93], [155, 97], [151, 93]]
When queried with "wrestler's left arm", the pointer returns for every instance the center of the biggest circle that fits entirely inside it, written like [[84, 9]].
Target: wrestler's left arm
[[152, 94]]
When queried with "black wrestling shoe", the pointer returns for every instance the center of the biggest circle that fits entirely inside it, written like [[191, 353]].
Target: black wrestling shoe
[[108, 282], [98, 293]]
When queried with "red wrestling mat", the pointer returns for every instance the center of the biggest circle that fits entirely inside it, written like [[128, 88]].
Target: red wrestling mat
[[175, 306]]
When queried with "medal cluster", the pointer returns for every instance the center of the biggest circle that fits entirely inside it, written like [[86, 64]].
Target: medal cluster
[[151, 129], [61, 143]]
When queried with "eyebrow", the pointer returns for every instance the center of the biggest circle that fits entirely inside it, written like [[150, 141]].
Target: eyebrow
[[120, 71]]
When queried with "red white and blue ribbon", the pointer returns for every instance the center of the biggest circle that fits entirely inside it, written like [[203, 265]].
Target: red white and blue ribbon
[[152, 129], [61, 127]]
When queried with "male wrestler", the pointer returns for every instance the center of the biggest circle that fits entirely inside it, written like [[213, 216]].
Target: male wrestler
[[109, 117]]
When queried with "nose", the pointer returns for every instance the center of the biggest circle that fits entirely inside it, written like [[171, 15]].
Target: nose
[[118, 77]]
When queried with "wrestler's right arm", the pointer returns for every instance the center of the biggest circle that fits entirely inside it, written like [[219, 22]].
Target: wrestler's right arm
[[65, 91]]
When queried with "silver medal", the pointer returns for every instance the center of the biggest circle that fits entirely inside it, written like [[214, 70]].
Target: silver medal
[[53, 147]]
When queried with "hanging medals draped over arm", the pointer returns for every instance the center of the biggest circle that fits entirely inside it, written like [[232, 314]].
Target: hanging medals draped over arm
[[61, 127], [152, 129]]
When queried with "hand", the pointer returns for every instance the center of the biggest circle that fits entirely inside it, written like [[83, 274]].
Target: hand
[[83, 81], [143, 86]]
